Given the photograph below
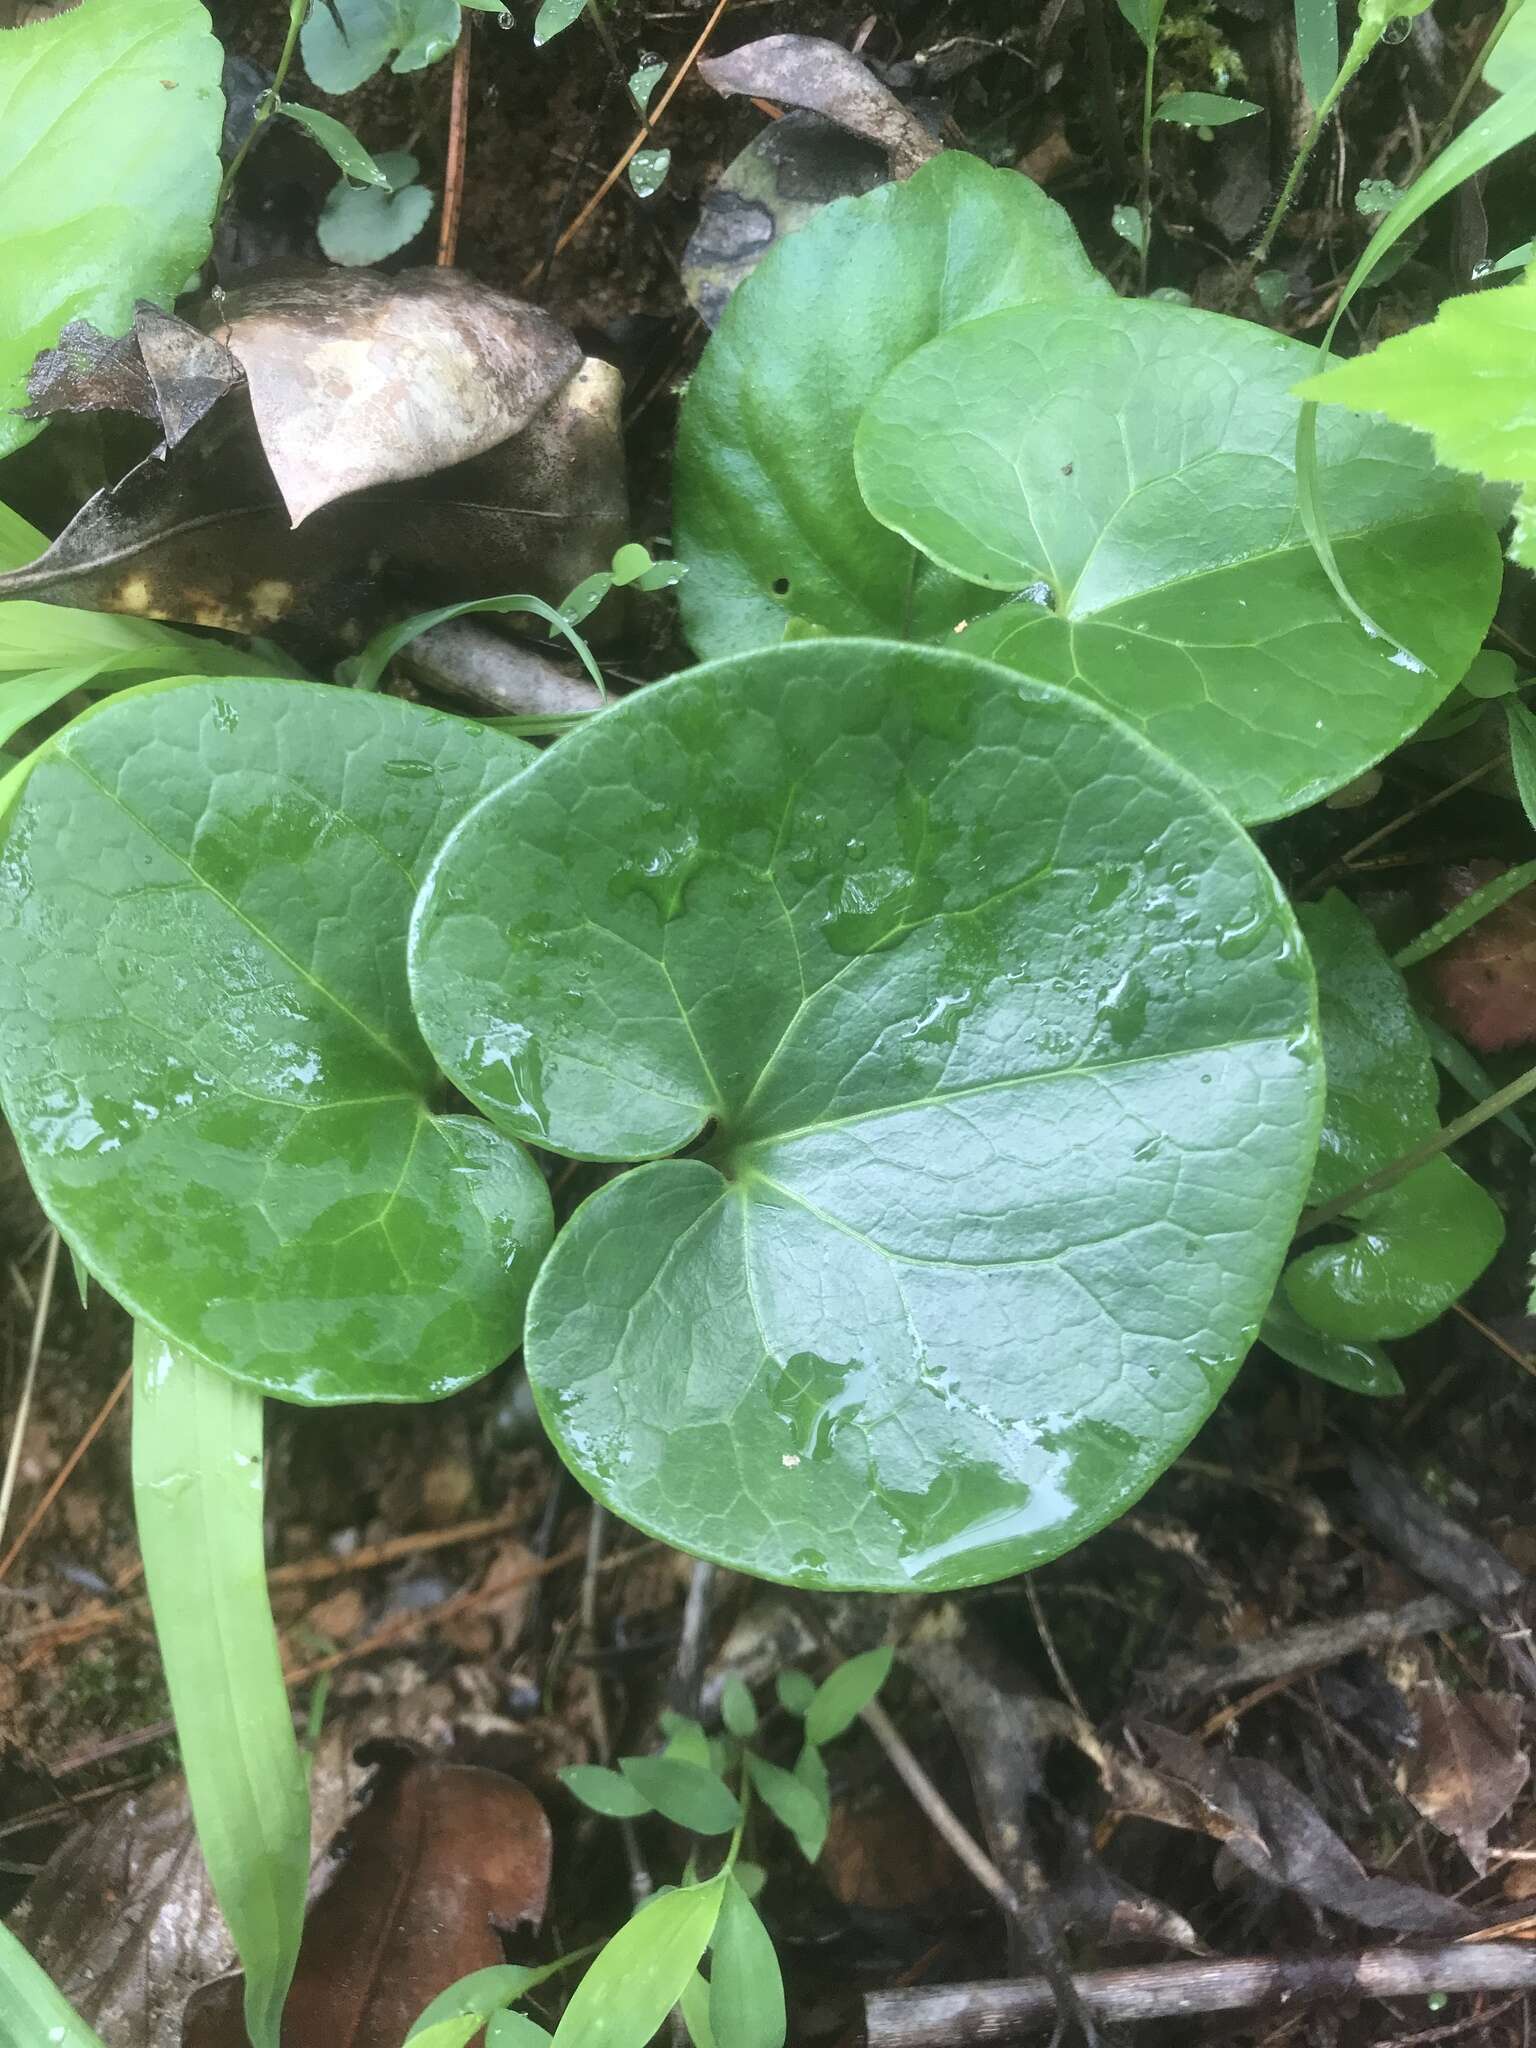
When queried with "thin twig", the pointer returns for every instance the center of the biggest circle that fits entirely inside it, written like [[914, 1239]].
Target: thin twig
[[641, 1883], [693, 1640], [938, 2016], [29, 1381], [635, 147], [1048, 1644], [458, 144], [1343, 861]]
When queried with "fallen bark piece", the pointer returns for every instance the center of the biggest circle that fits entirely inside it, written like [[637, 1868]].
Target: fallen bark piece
[[441, 1858], [809, 71], [938, 2016], [1311, 1646]]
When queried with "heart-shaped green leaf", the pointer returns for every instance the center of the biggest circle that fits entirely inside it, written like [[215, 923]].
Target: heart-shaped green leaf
[[347, 41], [207, 1051], [1422, 1242], [109, 166], [1128, 467], [769, 518], [997, 1035]]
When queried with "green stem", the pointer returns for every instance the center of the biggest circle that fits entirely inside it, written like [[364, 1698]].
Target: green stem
[[198, 1497], [1398, 1169], [1154, 28], [1366, 39], [1438, 140], [266, 106]]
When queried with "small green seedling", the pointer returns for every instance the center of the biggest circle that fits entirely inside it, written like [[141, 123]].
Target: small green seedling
[[653, 1964]]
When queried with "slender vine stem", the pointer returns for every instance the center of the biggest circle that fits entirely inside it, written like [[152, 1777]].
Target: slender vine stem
[[1430, 1148], [267, 105], [1453, 113], [1367, 36], [1154, 26]]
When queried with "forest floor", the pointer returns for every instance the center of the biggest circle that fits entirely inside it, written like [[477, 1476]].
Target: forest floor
[[1278, 1710]]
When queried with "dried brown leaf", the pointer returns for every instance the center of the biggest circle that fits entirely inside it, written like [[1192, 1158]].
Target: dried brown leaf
[[1469, 1767], [1486, 979], [809, 71], [441, 1857], [200, 537], [1280, 1836], [358, 378]]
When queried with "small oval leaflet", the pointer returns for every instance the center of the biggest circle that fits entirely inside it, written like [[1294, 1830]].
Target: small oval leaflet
[[991, 1042], [207, 1052]]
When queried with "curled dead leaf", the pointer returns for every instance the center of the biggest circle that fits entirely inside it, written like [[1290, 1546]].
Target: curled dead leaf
[[442, 1856], [357, 378], [810, 72], [1469, 1767]]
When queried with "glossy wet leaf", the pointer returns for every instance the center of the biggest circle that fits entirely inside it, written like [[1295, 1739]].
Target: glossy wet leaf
[[1417, 1246], [553, 17], [207, 1052], [366, 226], [643, 1972], [1125, 472], [955, 980], [769, 517], [746, 1987], [845, 1693], [1463, 377], [199, 1495], [687, 1793], [345, 43], [110, 117], [1204, 109], [339, 143], [1358, 1368]]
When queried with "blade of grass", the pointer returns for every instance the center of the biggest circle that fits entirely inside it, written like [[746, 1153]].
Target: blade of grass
[[1472, 910], [1317, 46], [198, 1495], [33, 2010]]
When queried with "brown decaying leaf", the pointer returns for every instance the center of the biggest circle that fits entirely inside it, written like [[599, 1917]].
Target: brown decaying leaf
[[1272, 1830], [809, 71], [122, 1916], [358, 378], [1469, 1767], [441, 1857], [200, 537], [1486, 980]]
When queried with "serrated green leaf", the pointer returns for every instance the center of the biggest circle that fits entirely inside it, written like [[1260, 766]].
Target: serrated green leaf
[[604, 1791], [844, 1694], [225, 1103], [405, 34], [796, 1690], [1126, 468], [798, 1805], [800, 886], [339, 143], [364, 225], [198, 1500], [643, 1971], [737, 1709], [110, 117], [1463, 378], [1358, 1368], [769, 518], [746, 1986], [1204, 109], [687, 1793], [32, 2008], [1419, 1244]]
